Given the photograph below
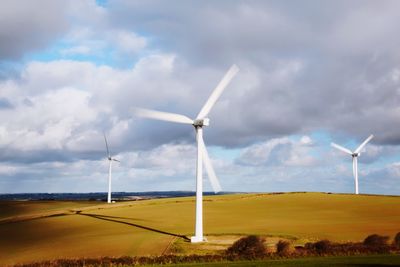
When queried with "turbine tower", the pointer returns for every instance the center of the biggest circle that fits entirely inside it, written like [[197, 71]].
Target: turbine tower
[[202, 155], [110, 160], [354, 156]]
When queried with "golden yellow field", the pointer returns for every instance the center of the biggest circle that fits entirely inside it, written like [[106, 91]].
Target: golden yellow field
[[47, 230]]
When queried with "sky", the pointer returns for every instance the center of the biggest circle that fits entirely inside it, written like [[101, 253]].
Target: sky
[[311, 73]]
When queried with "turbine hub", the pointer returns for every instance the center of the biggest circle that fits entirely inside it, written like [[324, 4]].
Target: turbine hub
[[201, 122]]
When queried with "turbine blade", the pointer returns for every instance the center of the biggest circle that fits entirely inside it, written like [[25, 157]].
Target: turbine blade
[[364, 143], [164, 116], [341, 148], [108, 151], [209, 168], [116, 160], [217, 92]]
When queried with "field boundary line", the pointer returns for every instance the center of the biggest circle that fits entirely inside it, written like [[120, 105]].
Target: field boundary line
[[169, 245]]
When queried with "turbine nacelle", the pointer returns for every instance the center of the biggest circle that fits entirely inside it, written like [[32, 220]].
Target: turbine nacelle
[[354, 155], [201, 122], [113, 159]]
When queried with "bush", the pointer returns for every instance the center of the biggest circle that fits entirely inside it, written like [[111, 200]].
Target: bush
[[376, 240], [323, 246], [249, 247], [396, 241], [377, 243], [283, 248], [309, 246]]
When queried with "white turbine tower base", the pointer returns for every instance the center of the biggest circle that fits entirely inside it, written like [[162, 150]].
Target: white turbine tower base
[[202, 155], [198, 236], [110, 160], [109, 182], [355, 174], [354, 156]]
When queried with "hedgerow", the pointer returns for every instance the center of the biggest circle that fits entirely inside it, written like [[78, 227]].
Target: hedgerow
[[247, 248]]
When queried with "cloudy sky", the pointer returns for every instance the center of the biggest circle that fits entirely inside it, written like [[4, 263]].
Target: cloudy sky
[[311, 73]]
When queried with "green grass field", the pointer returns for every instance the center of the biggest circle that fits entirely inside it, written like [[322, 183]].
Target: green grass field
[[152, 227]]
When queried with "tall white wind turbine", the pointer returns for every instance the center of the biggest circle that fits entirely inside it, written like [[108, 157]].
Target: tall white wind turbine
[[202, 155], [110, 160], [354, 156]]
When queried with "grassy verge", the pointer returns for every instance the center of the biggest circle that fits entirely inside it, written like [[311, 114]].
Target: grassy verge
[[348, 261]]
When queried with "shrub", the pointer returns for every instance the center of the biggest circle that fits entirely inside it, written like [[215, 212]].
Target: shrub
[[377, 243], [309, 246], [249, 247], [320, 247], [323, 246], [396, 241], [376, 240], [283, 248]]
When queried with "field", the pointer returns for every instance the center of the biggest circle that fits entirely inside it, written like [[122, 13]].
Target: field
[[35, 231]]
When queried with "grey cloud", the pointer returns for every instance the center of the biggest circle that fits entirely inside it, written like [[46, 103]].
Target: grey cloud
[[296, 74], [34, 156], [347, 53], [279, 152], [29, 25]]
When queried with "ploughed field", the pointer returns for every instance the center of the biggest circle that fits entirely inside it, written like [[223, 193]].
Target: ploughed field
[[45, 230]]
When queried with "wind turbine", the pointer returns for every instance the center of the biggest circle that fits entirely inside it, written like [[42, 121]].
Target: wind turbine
[[202, 155], [110, 160], [354, 156]]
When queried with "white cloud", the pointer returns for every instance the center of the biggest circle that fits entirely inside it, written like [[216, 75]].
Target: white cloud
[[7, 169], [279, 151], [306, 140], [171, 158], [395, 75], [394, 169], [67, 104], [49, 121], [103, 41], [129, 42]]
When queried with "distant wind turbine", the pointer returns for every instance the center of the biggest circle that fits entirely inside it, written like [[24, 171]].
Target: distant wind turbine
[[110, 160], [354, 156], [202, 155]]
